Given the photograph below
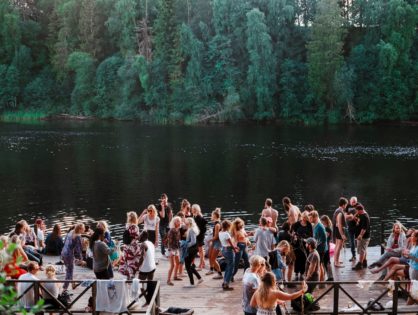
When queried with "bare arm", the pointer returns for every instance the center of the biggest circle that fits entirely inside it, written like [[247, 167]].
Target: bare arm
[[253, 301], [280, 295], [340, 226]]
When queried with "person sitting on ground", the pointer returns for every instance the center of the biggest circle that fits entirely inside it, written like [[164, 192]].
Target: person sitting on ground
[[267, 297], [28, 299], [39, 230], [50, 295], [53, 241], [395, 245], [13, 266], [251, 282]]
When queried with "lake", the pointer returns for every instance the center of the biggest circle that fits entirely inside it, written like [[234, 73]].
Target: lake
[[66, 171]]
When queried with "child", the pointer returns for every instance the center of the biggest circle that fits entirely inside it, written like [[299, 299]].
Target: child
[[52, 287]]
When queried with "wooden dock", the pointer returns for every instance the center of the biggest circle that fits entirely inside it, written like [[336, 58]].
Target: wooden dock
[[209, 299]]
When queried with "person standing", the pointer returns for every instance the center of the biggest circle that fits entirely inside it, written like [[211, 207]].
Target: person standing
[[313, 263], [320, 235], [101, 252], [362, 236], [215, 245], [240, 237], [264, 239], [293, 212], [270, 212], [173, 246], [338, 220], [251, 281], [165, 213], [351, 226], [147, 265], [151, 224], [302, 230], [191, 241], [228, 251], [202, 225], [72, 250]]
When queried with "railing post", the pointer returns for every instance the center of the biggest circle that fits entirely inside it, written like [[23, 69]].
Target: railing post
[[93, 296], [336, 298], [395, 299], [36, 292]]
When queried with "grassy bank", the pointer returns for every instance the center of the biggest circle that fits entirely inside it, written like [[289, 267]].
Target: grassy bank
[[23, 115]]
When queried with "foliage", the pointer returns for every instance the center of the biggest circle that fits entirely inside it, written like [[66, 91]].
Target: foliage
[[196, 61]]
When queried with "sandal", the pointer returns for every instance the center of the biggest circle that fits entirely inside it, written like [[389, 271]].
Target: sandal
[[170, 283]]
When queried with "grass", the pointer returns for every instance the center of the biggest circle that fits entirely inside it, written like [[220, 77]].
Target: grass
[[22, 115]]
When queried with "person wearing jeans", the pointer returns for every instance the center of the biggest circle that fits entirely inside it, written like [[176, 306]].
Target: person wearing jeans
[[239, 235], [228, 251]]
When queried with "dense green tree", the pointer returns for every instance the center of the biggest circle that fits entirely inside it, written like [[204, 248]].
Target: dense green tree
[[191, 61], [325, 52], [261, 77], [82, 96]]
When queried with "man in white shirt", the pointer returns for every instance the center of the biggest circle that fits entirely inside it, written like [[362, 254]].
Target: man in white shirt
[[28, 300]]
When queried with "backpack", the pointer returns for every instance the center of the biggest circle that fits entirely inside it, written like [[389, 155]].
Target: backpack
[[309, 304], [64, 298]]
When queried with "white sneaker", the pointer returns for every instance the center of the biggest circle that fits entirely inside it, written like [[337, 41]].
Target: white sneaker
[[189, 286], [199, 281]]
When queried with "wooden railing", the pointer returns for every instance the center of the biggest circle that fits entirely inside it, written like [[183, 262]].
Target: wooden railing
[[91, 285], [339, 288]]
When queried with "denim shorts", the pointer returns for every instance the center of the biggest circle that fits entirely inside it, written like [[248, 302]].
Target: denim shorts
[[217, 245]]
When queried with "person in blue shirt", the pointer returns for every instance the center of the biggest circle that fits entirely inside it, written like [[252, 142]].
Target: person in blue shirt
[[320, 235]]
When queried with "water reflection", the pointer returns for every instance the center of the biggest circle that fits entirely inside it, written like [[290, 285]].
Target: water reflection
[[86, 171]]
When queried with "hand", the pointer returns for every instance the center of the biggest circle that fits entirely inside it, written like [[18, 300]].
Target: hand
[[359, 238], [304, 286], [344, 238]]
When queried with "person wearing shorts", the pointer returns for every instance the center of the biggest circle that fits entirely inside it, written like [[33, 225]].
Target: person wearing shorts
[[173, 248], [362, 236]]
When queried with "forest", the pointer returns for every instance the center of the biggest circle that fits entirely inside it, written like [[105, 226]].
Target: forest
[[210, 61]]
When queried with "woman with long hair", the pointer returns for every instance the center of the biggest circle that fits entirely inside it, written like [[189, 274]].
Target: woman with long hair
[[240, 237], [186, 208], [228, 251], [54, 242], [215, 245], [267, 296], [326, 221], [251, 282], [131, 227], [173, 248], [102, 266], [72, 251], [151, 223], [302, 230], [191, 241], [201, 224]]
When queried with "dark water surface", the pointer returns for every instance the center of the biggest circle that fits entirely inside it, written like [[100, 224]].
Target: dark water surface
[[63, 171]]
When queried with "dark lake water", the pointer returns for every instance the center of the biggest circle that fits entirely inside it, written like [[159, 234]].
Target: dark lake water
[[67, 171]]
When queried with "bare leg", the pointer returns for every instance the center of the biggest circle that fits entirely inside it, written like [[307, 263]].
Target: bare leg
[[388, 264], [393, 271], [170, 270], [176, 265], [202, 257], [290, 269], [213, 256]]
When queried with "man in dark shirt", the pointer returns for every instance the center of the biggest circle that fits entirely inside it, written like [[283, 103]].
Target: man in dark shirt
[[313, 262], [166, 214], [362, 236], [351, 225]]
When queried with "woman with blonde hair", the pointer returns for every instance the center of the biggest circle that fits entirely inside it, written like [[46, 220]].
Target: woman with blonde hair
[[151, 222], [173, 248], [50, 295], [240, 237], [276, 261], [215, 245], [72, 251], [268, 297], [201, 224], [191, 241], [131, 227], [251, 282]]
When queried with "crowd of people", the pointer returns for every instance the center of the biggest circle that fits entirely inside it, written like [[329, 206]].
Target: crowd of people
[[273, 254]]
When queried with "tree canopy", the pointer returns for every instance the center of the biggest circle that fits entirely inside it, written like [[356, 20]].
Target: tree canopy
[[193, 61]]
